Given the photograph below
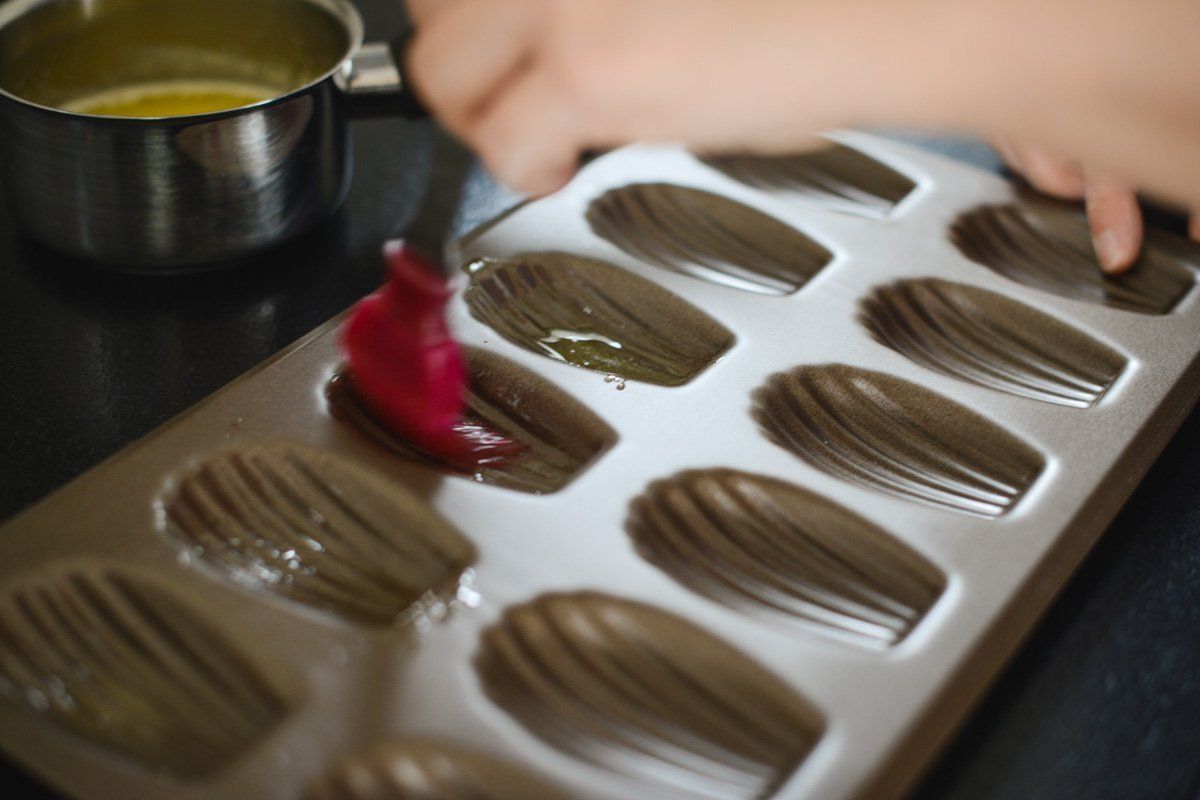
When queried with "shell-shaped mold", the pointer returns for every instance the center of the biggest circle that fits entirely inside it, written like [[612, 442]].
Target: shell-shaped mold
[[837, 176], [880, 431], [754, 542], [560, 436], [646, 693], [317, 529], [127, 666], [991, 340], [594, 315], [429, 769], [1050, 248], [707, 236]]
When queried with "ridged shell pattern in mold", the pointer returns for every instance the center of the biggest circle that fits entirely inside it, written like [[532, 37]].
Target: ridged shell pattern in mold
[[560, 436], [428, 769], [127, 666], [758, 543], [645, 693], [591, 314], [889, 434], [317, 529], [991, 340], [837, 177], [1050, 248], [707, 236]]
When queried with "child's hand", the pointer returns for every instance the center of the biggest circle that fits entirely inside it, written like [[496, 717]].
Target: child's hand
[[1112, 207], [531, 85]]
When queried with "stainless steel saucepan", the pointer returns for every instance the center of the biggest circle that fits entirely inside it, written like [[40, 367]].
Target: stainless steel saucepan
[[178, 187]]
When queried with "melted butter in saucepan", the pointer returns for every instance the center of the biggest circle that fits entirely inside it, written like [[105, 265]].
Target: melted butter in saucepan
[[171, 98]]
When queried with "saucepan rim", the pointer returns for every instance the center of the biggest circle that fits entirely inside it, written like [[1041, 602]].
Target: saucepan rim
[[343, 12]]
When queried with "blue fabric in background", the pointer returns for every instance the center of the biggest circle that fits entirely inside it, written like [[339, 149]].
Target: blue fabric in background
[[964, 148]]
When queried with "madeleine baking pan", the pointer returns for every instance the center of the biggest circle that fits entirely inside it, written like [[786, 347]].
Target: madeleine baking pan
[[809, 443]]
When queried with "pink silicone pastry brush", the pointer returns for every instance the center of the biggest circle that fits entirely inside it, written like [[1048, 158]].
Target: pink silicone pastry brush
[[406, 368]]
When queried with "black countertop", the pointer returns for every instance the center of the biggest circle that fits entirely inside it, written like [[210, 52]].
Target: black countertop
[[1102, 702]]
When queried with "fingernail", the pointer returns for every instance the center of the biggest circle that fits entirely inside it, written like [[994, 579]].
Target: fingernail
[[1109, 251]]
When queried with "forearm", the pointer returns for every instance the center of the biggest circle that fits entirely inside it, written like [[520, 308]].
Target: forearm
[[1111, 82]]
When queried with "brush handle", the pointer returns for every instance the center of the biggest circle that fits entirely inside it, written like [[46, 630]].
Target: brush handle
[[376, 85], [433, 225]]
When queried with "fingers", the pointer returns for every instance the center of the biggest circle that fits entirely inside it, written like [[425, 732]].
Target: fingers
[[1046, 172], [1116, 223], [484, 70], [1194, 226], [465, 50], [1053, 175], [527, 136], [1112, 208], [1006, 150]]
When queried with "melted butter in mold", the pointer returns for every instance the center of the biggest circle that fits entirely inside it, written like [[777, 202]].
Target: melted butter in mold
[[125, 665], [560, 437], [707, 236], [595, 315], [429, 769], [837, 176], [991, 340], [759, 544], [892, 435], [1049, 248], [317, 529], [645, 693]]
